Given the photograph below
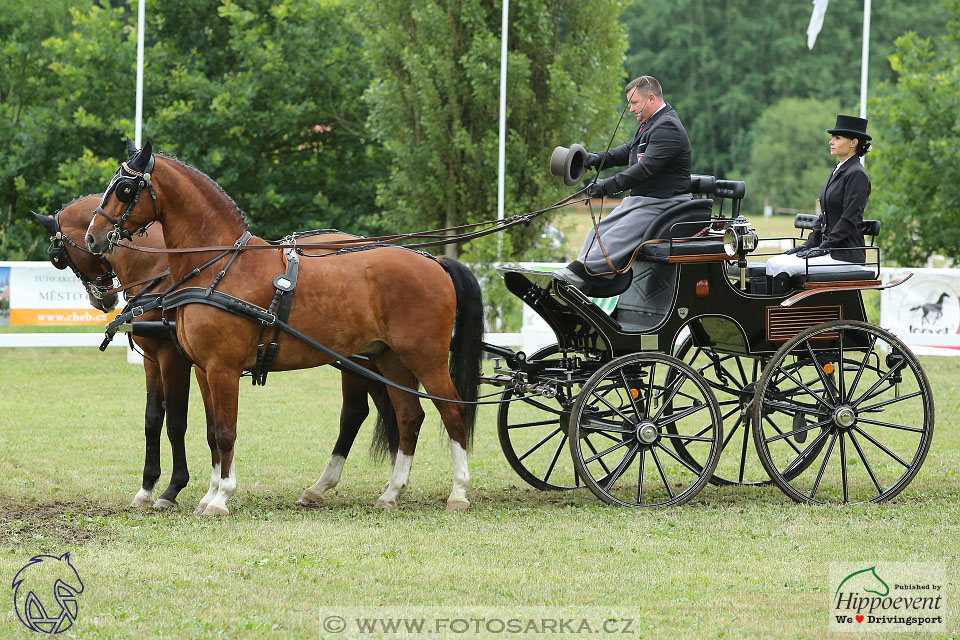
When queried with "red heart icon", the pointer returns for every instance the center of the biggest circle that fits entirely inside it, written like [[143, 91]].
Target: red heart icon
[[859, 618]]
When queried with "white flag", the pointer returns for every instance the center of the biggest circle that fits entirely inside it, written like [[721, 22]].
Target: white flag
[[816, 21]]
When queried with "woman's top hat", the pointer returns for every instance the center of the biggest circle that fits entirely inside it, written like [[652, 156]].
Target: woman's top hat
[[851, 127]]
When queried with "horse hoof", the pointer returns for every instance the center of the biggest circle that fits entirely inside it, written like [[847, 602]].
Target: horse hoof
[[214, 510], [142, 499], [309, 502], [163, 504], [458, 505], [385, 504], [200, 509]]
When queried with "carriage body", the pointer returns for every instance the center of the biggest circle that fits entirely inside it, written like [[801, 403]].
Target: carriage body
[[705, 340]]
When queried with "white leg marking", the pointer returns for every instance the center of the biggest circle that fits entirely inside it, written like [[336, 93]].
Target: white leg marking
[[328, 480], [212, 491], [228, 487], [461, 478], [398, 482], [143, 498]]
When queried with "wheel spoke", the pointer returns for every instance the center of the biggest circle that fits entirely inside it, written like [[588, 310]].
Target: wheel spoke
[[828, 387], [777, 429], [874, 407], [524, 425], [612, 408], [626, 385], [782, 435], [663, 476], [866, 464], [542, 442], [841, 386], [684, 414], [869, 393], [823, 466], [688, 438], [863, 365], [890, 425], [627, 460], [556, 456], [881, 446], [595, 425], [733, 430], [802, 456], [673, 455], [743, 450], [643, 456], [539, 405], [597, 456], [803, 386], [623, 443]]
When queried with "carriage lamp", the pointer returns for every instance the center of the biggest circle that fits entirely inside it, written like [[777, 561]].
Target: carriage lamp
[[739, 240]]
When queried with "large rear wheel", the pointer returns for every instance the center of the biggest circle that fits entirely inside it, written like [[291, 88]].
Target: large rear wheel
[[843, 413]]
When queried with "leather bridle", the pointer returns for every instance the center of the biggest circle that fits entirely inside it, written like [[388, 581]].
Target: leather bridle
[[97, 286], [128, 185]]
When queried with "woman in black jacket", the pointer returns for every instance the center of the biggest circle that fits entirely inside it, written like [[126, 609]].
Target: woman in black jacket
[[842, 201]]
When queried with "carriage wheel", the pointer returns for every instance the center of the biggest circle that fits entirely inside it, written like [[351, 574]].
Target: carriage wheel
[[733, 381], [849, 406], [624, 420], [533, 435]]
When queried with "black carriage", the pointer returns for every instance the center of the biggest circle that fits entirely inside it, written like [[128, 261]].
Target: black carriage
[[702, 352]]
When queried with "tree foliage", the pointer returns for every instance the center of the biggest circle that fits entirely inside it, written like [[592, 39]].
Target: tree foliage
[[435, 103], [722, 63], [265, 96], [790, 155], [916, 165]]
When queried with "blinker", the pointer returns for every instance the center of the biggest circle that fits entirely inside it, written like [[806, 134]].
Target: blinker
[[126, 190]]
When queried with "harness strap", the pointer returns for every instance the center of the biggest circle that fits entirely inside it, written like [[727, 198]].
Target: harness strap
[[285, 284]]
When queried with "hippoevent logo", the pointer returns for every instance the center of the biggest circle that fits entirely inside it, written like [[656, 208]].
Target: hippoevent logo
[[890, 596], [45, 594]]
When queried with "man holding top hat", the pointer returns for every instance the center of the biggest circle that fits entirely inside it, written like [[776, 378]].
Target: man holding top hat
[[658, 161], [842, 201]]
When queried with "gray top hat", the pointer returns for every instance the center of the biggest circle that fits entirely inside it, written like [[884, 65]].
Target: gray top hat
[[570, 164]]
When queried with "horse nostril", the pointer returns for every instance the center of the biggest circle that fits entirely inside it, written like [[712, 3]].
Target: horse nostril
[[89, 240]]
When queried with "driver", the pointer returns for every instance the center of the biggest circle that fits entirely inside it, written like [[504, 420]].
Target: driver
[[842, 201], [658, 161]]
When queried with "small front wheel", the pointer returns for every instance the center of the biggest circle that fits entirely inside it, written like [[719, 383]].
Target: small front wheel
[[624, 421]]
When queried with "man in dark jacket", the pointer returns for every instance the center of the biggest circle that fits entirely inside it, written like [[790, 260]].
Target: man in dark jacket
[[658, 161]]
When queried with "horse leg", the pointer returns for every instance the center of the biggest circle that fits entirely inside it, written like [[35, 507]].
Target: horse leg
[[438, 383], [409, 419], [224, 386], [176, 390], [211, 442], [153, 425], [353, 412]]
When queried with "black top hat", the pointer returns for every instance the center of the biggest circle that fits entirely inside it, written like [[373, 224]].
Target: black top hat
[[851, 127]]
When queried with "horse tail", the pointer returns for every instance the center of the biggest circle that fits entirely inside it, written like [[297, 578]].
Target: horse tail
[[465, 347], [386, 433]]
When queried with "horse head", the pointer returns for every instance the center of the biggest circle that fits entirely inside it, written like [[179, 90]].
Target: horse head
[[67, 250], [122, 209]]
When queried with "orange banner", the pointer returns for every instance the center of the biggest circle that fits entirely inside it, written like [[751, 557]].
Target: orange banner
[[66, 317]]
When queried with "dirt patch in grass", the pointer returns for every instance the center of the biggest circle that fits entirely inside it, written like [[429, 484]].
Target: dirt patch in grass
[[53, 523]]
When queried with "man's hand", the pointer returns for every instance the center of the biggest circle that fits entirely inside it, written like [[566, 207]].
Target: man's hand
[[593, 160], [813, 252], [604, 187]]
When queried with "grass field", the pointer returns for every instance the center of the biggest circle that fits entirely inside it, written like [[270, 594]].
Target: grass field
[[734, 562]]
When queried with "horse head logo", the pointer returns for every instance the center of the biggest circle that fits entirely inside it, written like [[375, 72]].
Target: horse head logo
[[865, 580], [45, 593]]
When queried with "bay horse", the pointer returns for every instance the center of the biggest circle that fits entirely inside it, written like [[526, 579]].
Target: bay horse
[[167, 370], [419, 319]]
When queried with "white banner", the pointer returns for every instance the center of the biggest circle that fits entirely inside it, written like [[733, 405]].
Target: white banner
[[924, 311], [38, 294]]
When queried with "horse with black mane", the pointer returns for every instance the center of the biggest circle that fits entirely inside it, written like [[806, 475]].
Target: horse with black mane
[[417, 318], [167, 370]]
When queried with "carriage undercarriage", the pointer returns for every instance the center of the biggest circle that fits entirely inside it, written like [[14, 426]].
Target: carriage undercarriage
[[702, 355]]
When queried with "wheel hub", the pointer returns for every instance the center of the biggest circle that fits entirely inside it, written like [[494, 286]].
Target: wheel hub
[[647, 432], [844, 417]]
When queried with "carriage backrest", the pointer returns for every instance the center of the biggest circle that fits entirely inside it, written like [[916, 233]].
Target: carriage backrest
[[811, 221]]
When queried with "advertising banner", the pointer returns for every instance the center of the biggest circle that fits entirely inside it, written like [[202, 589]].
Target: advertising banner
[[924, 311], [37, 294]]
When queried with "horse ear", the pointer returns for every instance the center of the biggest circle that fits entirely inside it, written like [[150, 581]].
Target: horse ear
[[142, 159], [131, 148], [47, 221]]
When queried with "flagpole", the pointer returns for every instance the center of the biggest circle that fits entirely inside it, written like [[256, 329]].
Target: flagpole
[[138, 118], [501, 161], [865, 59]]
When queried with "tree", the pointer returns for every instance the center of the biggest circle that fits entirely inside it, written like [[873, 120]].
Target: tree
[[916, 165], [434, 105], [722, 63], [790, 157]]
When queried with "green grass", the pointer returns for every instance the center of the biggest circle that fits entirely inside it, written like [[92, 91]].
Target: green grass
[[734, 562]]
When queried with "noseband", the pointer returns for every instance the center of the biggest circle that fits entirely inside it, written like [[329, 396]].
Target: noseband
[[127, 185], [60, 258]]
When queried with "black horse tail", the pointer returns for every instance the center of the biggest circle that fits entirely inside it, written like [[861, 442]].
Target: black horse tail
[[386, 433], [465, 347]]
